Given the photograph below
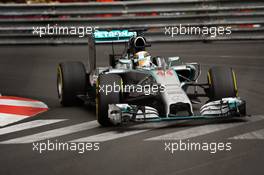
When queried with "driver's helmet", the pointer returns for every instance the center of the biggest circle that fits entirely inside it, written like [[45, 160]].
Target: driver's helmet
[[143, 59]]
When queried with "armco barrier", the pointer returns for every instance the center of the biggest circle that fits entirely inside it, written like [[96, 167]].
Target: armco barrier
[[246, 18]]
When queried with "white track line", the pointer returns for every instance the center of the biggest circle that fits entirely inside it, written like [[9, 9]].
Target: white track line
[[201, 130], [53, 133], [259, 134], [28, 125], [33, 104], [111, 135]]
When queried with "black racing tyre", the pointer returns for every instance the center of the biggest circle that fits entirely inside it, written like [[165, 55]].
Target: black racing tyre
[[222, 83], [71, 81], [103, 99]]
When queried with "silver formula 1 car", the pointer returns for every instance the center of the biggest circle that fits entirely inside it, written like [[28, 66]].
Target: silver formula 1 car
[[137, 86]]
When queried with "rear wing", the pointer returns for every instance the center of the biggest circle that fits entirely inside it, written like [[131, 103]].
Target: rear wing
[[108, 36], [104, 36]]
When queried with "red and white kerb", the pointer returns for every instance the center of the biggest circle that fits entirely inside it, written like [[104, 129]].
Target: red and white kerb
[[13, 109]]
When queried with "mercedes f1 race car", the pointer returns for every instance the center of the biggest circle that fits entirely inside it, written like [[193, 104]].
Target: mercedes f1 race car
[[139, 87]]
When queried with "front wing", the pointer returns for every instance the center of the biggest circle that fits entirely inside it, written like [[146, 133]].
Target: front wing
[[224, 108]]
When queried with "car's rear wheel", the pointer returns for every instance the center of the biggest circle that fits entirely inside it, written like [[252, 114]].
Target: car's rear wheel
[[222, 83], [103, 98], [71, 81]]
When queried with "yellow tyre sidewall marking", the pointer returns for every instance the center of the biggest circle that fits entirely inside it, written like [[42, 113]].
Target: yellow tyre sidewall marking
[[59, 71], [235, 82], [209, 78], [121, 85]]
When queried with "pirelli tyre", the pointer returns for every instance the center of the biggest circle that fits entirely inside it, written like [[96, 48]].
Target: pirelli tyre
[[71, 81], [222, 83], [106, 94]]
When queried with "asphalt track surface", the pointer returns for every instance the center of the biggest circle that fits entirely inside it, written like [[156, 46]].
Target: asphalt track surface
[[30, 71]]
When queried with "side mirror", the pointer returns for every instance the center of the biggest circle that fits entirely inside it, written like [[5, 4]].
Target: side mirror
[[174, 61]]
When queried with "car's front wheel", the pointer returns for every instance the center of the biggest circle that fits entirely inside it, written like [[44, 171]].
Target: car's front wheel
[[108, 91], [222, 83]]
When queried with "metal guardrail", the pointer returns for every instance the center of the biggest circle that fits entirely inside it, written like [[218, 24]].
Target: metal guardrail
[[245, 17]]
